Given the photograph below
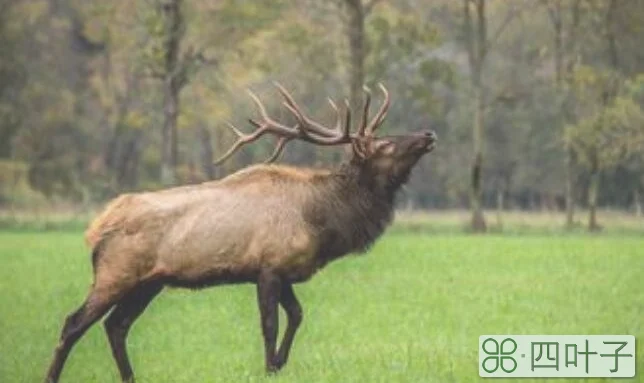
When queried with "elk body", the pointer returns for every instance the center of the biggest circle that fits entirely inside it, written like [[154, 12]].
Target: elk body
[[270, 225]]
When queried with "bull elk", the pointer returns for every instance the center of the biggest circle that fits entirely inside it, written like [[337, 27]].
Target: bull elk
[[270, 225]]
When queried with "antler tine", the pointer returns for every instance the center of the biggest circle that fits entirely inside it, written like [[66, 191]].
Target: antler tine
[[305, 129], [347, 119], [266, 126], [338, 117], [242, 139], [291, 104], [281, 143], [306, 123], [365, 111], [346, 128], [332, 103], [287, 96], [298, 115], [382, 112], [258, 103], [238, 132], [268, 121]]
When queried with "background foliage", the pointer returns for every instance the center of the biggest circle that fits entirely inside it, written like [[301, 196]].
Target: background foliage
[[99, 98]]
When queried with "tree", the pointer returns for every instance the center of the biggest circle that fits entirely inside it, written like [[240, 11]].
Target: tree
[[565, 58], [475, 33], [609, 134], [599, 87], [357, 12], [476, 42], [171, 70], [12, 79], [134, 85]]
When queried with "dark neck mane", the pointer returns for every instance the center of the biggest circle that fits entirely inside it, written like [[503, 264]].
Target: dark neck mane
[[349, 211]]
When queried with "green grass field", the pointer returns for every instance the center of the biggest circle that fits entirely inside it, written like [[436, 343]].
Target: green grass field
[[410, 311]]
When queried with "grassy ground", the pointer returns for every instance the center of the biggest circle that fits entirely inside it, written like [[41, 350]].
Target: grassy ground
[[410, 311], [423, 221]]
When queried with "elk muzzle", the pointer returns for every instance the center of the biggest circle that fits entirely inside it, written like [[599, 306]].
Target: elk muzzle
[[421, 142]]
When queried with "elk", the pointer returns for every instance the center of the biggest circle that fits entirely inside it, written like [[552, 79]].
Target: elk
[[267, 224]]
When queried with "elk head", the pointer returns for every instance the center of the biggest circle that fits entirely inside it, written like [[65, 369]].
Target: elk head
[[388, 159]]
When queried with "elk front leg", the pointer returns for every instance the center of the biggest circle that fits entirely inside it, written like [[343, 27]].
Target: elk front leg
[[294, 316], [268, 295]]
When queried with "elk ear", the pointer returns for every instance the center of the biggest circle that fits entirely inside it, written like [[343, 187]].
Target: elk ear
[[384, 146]]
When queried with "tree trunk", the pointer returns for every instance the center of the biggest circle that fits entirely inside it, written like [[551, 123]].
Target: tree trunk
[[169, 134], [476, 49], [561, 85], [357, 51], [607, 99], [542, 202], [561, 78], [171, 88], [218, 150], [500, 197], [593, 190], [637, 203], [476, 193], [207, 165], [570, 185], [568, 109], [128, 170]]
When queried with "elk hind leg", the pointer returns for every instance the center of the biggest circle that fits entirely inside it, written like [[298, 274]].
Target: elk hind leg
[[118, 323], [76, 324], [268, 295]]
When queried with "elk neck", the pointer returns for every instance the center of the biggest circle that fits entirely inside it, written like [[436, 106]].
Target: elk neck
[[350, 210]]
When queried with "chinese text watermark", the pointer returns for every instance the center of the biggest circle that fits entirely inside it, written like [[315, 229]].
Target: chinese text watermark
[[554, 356]]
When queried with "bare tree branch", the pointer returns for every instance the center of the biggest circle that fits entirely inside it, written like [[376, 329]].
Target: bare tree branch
[[554, 10], [482, 31], [469, 37], [509, 17], [368, 7]]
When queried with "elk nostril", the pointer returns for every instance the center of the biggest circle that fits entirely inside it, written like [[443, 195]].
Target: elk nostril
[[431, 135]]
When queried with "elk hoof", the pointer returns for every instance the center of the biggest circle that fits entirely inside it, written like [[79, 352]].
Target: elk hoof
[[274, 367]]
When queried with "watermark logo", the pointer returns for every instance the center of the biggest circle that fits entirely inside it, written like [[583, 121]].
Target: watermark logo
[[557, 356], [500, 355]]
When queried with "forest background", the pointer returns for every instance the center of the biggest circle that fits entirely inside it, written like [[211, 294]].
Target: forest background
[[537, 104]]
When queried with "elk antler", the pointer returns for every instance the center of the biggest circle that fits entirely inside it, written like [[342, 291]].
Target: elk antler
[[306, 129], [382, 112]]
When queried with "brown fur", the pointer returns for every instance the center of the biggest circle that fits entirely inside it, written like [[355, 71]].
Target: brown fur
[[267, 224], [192, 235]]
